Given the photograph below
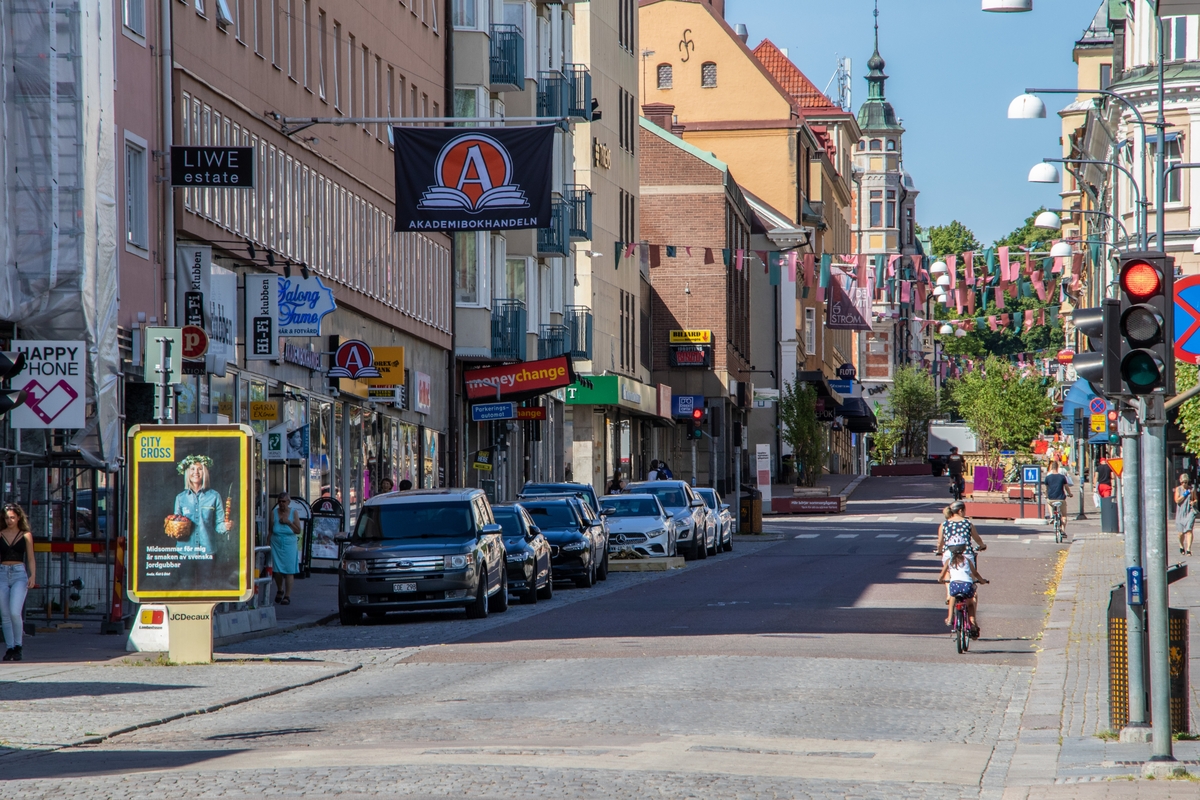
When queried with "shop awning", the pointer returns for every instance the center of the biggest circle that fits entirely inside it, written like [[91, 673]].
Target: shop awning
[[1078, 396], [858, 415], [615, 390], [818, 379]]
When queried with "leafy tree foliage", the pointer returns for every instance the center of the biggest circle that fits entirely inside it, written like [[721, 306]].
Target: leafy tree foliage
[[952, 239], [1188, 414], [903, 424], [802, 432], [980, 343], [1028, 236], [1005, 408]]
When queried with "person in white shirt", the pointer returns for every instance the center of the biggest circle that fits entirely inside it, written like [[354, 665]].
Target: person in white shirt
[[963, 576]]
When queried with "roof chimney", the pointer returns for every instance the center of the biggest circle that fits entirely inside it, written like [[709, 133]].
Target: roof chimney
[[742, 32], [661, 114]]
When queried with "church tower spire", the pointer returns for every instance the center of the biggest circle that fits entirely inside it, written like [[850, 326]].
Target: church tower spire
[[876, 113]]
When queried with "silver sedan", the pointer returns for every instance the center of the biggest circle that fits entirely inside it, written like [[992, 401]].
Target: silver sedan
[[638, 522]]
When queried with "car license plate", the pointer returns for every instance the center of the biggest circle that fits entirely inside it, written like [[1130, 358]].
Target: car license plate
[[404, 587], [617, 548]]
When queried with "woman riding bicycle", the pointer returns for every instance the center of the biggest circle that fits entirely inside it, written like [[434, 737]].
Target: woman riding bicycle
[[958, 531], [960, 576]]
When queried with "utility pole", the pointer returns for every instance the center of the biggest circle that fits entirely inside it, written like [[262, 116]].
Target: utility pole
[[1136, 729]]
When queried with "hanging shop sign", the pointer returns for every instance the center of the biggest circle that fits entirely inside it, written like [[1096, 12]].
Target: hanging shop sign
[[846, 309], [191, 534], [518, 380], [152, 356], [691, 337], [222, 320], [389, 363], [227, 167], [535, 413], [484, 459], [302, 356], [455, 179], [262, 318], [193, 271], [690, 355], [303, 303], [354, 360], [55, 382], [264, 410], [423, 398], [846, 372]]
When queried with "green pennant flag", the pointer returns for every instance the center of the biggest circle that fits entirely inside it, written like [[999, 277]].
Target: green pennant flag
[[773, 271], [1094, 247], [826, 263], [670, 251], [804, 292], [1047, 265], [727, 254], [990, 255]]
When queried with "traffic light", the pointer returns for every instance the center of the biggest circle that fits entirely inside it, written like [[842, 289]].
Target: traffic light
[[693, 431], [1101, 365], [1147, 328], [10, 365], [1114, 434]]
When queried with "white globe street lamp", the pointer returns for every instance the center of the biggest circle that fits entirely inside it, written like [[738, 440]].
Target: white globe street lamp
[[1196, 245], [943, 280], [1027, 106], [1061, 250], [1007, 6], [960, 333], [939, 292], [946, 329], [1043, 173], [938, 268], [1048, 220]]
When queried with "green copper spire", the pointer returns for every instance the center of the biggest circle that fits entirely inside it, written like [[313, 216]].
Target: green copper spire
[[876, 113]]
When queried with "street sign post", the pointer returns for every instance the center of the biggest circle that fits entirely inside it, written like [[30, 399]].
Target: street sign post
[[487, 412], [1097, 405], [1187, 319]]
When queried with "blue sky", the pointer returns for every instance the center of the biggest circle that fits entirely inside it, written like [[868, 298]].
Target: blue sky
[[952, 70]]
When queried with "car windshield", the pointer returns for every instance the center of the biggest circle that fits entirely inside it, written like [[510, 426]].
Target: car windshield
[[669, 496], [550, 490], [509, 520], [631, 507], [415, 521], [552, 515], [709, 497]]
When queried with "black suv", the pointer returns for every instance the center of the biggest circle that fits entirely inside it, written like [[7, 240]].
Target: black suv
[[427, 549], [578, 546], [532, 491], [528, 554]]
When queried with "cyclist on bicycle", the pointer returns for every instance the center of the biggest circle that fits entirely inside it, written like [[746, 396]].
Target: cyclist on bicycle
[[1058, 489], [955, 466], [961, 577], [958, 531]]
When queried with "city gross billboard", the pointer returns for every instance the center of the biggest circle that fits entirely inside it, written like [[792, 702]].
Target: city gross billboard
[[190, 522], [514, 381]]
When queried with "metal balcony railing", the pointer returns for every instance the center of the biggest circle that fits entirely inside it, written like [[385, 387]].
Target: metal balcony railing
[[578, 321], [579, 91], [507, 58], [508, 330], [554, 340], [553, 95], [556, 240], [579, 225]]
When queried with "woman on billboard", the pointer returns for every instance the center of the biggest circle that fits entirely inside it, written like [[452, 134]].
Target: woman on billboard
[[198, 508]]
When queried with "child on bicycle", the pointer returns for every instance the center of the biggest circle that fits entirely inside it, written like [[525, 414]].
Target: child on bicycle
[[962, 577], [957, 531]]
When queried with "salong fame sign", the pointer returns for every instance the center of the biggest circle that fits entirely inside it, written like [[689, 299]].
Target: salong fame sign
[[487, 179], [530, 378]]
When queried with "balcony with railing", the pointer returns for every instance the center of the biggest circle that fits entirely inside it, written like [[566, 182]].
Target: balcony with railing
[[554, 340], [578, 322], [579, 91], [507, 59], [556, 240], [508, 330], [579, 226], [554, 95]]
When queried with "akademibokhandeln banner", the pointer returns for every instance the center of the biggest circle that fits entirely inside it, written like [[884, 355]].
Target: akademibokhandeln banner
[[465, 179]]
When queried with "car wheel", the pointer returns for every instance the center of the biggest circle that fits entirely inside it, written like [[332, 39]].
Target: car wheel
[[701, 545], [602, 573], [547, 591], [716, 548], [588, 579], [498, 603], [348, 617], [479, 609], [729, 543], [531, 594]]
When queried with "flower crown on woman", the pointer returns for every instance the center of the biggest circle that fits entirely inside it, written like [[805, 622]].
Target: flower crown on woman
[[187, 462]]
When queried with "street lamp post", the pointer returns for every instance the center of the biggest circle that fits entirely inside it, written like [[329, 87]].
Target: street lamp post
[[1140, 226]]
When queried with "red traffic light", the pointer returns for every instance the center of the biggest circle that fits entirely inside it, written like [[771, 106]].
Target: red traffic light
[[697, 413], [1112, 417], [1141, 280]]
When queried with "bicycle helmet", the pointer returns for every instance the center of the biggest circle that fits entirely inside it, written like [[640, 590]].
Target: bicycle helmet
[[957, 549]]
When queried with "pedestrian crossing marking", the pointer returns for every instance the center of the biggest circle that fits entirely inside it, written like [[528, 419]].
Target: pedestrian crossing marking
[[888, 536], [808, 536], [846, 536], [887, 519], [1008, 536], [922, 519]]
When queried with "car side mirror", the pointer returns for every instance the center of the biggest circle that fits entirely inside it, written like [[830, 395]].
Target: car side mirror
[[491, 530], [534, 532], [596, 523], [697, 503], [604, 512], [724, 506]]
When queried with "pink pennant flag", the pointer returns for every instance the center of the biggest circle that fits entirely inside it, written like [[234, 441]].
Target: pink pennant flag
[[999, 297], [969, 267], [820, 294], [861, 278], [688, 250], [905, 292], [1058, 265], [1029, 319], [792, 255], [952, 263], [1003, 252], [959, 298], [1042, 317], [1005, 320], [992, 322], [1028, 263], [1039, 285], [891, 268], [970, 301], [916, 262], [762, 256], [809, 263], [629, 249], [738, 255], [921, 293]]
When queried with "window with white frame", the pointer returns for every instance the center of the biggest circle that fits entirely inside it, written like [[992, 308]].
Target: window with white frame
[[1175, 42], [137, 205], [810, 331], [471, 268], [1172, 154], [467, 15], [133, 16]]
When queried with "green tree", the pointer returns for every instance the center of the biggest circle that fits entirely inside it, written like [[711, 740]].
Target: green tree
[[802, 431], [1188, 414], [952, 239], [1027, 236], [982, 342], [903, 425], [1005, 408]]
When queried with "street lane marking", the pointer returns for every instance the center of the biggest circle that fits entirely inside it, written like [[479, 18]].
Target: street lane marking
[[887, 519], [812, 536], [847, 536], [891, 536], [1008, 536], [922, 519]]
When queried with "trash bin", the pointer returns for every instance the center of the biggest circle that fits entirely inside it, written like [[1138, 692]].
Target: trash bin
[[751, 512], [1118, 664], [1108, 515]]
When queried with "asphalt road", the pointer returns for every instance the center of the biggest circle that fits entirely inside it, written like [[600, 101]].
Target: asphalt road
[[813, 662]]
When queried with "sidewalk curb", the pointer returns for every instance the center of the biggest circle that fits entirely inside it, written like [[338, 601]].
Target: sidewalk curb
[[278, 629], [852, 485]]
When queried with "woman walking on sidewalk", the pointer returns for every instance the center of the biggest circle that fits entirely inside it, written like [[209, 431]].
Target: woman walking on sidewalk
[[18, 574], [285, 551], [1185, 513]]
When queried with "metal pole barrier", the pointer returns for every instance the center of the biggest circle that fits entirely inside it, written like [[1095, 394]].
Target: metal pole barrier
[[1136, 730], [1154, 451]]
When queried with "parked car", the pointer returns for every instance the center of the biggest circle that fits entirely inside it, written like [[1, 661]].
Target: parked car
[[563, 489], [426, 549], [85, 526], [528, 554], [577, 543], [722, 515], [638, 522], [694, 531]]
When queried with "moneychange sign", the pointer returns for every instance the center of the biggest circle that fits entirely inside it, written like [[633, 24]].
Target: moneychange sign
[[464, 179], [191, 535], [518, 381]]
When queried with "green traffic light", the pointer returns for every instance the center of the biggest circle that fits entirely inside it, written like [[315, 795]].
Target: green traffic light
[[1142, 371]]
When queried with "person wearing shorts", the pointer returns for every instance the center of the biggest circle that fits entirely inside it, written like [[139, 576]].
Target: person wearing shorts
[[961, 576]]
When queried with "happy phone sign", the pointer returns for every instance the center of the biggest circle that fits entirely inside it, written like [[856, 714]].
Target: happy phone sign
[[55, 381]]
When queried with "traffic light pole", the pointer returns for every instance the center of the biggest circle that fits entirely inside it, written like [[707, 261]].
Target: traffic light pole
[[1135, 729], [1154, 452]]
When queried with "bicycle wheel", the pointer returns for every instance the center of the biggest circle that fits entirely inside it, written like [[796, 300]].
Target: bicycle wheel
[[956, 628], [964, 633]]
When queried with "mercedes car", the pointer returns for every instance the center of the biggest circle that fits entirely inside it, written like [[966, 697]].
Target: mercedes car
[[694, 531], [638, 522]]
